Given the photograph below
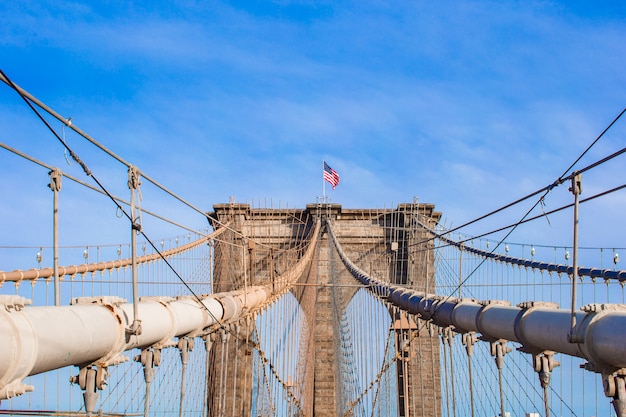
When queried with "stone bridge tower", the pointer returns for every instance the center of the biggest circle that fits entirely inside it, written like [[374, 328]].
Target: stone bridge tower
[[385, 243]]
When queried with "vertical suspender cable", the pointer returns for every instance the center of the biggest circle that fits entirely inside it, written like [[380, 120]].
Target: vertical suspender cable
[[421, 379], [576, 189], [450, 342], [250, 323], [208, 343], [236, 368], [469, 340], [133, 184], [55, 186], [183, 346], [445, 371], [221, 392], [226, 363], [432, 372]]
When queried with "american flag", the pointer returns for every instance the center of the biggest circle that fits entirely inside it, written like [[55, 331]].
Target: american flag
[[331, 175]]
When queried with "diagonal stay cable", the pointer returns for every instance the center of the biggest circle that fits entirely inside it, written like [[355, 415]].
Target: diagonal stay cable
[[91, 187], [529, 219], [30, 99], [560, 180], [516, 225], [88, 172], [545, 189], [556, 183]]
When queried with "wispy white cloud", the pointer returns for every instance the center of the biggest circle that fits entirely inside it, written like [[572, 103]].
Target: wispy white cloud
[[467, 105]]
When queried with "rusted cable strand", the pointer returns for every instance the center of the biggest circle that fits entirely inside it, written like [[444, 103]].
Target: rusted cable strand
[[90, 174], [32, 274], [528, 263]]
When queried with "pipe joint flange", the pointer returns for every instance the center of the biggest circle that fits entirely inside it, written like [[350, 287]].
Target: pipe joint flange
[[599, 307], [527, 305], [157, 299], [109, 301], [486, 303], [15, 389], [14, 302]]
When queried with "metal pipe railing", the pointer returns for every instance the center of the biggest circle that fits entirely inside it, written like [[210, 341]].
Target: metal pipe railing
[[537, 326], [92, 330]]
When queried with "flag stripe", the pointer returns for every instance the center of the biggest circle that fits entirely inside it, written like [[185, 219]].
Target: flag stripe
[[331, 175]]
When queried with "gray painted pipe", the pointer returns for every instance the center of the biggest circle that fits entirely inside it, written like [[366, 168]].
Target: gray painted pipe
[[538, 327], [92, 330]]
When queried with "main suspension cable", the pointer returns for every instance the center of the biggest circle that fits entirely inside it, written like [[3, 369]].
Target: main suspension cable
[[556, 183], [91, 187], [88, 172]]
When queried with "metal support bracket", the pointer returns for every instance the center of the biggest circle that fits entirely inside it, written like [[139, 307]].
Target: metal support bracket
[[543, 364], [615, 387], [498, 350], [15, 389], [468, 340], [55, 179], [91, 379], [112, 303], [185, 345], [149, 358]]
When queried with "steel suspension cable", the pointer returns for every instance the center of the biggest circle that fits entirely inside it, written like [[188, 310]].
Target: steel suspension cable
[[29, 98], [563, 178], [529, 219], [88, 172]]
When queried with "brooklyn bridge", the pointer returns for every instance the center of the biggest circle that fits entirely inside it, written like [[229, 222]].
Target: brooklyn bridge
[[323, 310]]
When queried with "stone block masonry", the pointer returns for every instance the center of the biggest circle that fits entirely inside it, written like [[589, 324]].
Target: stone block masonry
[[385, 243]]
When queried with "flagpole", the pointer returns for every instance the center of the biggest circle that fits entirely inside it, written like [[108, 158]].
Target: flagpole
[[323, 184]]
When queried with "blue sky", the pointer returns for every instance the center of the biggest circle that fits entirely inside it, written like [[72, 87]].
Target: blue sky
[[468, 105]]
